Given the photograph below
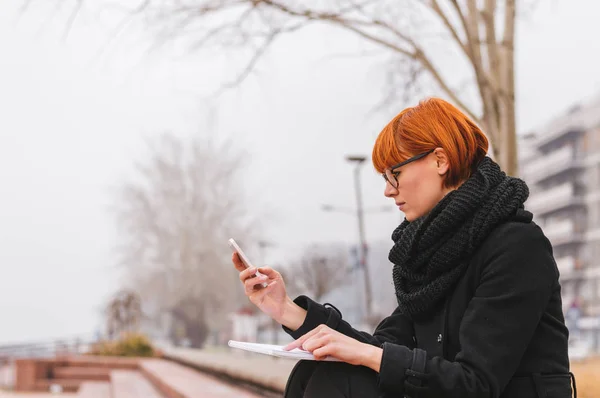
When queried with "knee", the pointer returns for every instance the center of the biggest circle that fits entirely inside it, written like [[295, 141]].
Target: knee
[[341, 371], [303, 370], [299, 377], [340, 379]]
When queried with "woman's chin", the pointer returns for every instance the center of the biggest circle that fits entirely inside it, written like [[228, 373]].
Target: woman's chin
[[412, 216]]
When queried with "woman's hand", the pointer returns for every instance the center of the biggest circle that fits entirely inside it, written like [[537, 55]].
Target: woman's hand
[[323, 341], [272, 299]]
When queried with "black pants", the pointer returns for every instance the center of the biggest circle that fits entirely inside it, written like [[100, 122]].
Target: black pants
[[314, 379]]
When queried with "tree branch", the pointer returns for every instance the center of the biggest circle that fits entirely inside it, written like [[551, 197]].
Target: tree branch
[[470, 26], [349, 24], [491, 44], [508, 46], [434, 5], [72, 18], [25, 6], [443, 85], [250, 65], [417, 53]]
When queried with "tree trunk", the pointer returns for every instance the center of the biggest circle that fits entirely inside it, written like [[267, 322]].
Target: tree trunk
[[509, 152], [509, 159]]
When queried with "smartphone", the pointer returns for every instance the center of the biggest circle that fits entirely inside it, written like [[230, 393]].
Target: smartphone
[[236, 248]]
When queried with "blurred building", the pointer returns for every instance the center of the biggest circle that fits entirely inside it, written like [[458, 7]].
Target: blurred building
[[561, 164]]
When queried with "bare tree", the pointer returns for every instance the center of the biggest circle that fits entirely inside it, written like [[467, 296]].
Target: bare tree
[[123, 313], [320, 270], [481, 34], [175, 218]]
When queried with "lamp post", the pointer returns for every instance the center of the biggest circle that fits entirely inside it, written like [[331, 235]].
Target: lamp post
[[262, 245], [359, 213], [358, 161]]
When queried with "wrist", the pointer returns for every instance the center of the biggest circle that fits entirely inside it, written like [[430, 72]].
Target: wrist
[[372, 357], [292, 316]]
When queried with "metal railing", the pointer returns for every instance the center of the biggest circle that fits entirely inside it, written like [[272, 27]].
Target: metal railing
[[43, 349]]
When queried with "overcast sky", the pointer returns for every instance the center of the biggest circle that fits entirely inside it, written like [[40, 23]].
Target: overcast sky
[[74, 114]]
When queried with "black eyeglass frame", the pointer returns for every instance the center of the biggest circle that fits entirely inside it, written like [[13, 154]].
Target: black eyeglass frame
[[395, 174]]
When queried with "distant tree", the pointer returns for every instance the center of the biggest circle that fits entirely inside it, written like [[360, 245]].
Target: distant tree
[[123, 313], [174, 220], [319, 270]]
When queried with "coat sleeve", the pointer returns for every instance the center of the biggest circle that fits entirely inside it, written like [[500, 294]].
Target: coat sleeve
[[517, 277], [396, 328]]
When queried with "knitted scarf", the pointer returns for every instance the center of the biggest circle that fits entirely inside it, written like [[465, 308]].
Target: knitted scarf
[[430, 253]]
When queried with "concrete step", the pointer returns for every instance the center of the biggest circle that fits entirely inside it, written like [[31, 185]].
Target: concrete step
[[265, 371], [82, 373], [98, 361], [131, 384], [94, 389], [67, 385], [177, 381]]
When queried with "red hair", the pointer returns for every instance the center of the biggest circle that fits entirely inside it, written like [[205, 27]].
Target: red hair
[[431, 124]]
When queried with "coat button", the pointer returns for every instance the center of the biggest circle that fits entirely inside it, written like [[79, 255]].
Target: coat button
[[440, 338]]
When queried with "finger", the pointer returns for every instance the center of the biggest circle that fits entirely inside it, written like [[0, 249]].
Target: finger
[[320, 333], [323, 352], [237, 262], [298, 342], [247, 274], [253, 284], [315, 342], [270, 272], [293, 345], [258, 294]]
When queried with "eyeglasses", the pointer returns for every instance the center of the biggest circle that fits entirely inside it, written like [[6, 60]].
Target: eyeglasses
[[392, 176]]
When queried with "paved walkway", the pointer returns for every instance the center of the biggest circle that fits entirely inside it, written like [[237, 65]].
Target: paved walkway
[[587, 373], [4, 394], [6, 375], [262, 370], [182, 381]]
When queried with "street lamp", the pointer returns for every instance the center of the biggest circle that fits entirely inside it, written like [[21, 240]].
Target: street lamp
[[262, 245], [359, 213], [338, 209], [359, 161]]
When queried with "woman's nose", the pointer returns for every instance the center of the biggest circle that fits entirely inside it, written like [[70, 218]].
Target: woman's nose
[[390, 191]]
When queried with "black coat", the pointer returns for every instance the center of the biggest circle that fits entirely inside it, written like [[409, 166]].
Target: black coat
[[501, 333]]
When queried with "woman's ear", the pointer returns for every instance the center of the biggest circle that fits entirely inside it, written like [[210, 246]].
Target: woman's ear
[[441, 161]]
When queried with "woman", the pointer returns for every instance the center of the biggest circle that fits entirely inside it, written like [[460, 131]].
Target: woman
[[479, 308]]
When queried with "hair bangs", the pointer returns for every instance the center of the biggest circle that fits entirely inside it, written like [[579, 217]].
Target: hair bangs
[[386, 152]]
